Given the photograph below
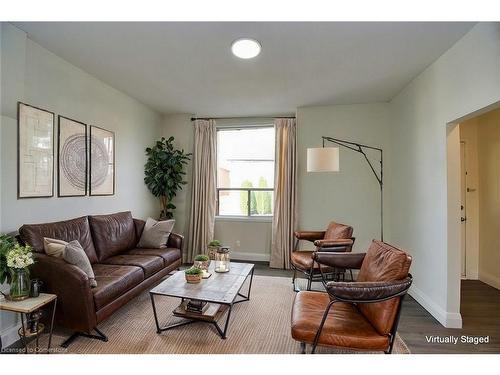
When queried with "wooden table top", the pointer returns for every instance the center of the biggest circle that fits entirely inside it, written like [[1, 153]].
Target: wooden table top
[[218, 288], [28, 305]]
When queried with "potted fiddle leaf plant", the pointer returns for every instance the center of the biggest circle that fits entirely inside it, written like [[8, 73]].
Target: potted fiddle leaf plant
[[193, 275], [164, 173]]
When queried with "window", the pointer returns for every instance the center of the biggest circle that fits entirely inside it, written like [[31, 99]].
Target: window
[[245, 171]]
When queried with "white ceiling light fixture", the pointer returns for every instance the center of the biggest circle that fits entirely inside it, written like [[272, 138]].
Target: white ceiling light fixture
[[246, 48]]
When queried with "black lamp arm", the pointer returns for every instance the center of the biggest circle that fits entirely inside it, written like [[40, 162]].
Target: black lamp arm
[[359, 147]]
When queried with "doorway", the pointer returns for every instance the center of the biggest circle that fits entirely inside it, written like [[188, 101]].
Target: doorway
[[480, 198]]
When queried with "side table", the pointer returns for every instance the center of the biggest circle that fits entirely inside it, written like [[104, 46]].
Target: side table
[[27, 307]]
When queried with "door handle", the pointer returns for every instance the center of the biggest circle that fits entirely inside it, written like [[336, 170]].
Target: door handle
[[462, 219]]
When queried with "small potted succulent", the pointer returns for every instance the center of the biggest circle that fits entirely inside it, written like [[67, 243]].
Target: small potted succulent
[[193, 275], [213, 246], [202, 261]]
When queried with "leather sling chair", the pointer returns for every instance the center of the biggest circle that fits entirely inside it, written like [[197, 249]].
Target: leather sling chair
[[336, 238], [361, 315]]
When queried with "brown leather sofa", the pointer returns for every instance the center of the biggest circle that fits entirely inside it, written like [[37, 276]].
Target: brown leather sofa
[[121, 269], [360, 315], [336, 238]]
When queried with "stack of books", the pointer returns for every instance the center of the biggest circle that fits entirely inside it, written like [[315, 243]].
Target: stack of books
[[196, 306]]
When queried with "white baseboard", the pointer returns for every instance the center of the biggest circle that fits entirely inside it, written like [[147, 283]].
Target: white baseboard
[[252, 257], [9, 335], [447, 319], [489, 279]]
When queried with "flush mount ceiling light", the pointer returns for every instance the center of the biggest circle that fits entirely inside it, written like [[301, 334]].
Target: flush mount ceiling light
[[245, 48]]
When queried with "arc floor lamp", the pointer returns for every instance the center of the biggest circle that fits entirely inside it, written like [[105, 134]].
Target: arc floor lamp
[[326, 159]]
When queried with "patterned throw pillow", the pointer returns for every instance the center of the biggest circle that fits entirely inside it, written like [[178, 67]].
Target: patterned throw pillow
[[74, 254], [155, 234]]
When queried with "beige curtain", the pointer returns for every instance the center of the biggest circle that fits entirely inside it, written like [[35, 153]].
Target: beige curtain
[[285, 193], [203, 194]]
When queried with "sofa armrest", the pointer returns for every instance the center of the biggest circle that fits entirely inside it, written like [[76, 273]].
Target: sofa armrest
[[75, 301], [341, 245], [340, 260], [175, 240], [309, 235], [367, 292]]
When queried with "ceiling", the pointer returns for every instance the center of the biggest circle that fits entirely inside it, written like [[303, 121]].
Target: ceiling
[[188, 67]]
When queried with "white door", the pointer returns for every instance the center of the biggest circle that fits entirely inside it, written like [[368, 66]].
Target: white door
[[463, 210]]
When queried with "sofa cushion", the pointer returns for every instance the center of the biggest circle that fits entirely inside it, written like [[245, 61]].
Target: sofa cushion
[[69, 230], [345, 326], [150, 264], [383, 262], [113, 281], [54, 247], [169, 254], [155, 233], [112, 234]]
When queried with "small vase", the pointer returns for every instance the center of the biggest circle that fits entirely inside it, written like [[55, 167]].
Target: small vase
[[20, 284]]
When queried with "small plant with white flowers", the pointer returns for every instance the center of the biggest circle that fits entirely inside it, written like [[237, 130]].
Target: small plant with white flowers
[[20, 257]]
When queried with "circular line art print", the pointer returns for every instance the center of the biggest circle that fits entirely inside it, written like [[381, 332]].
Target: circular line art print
[[72, 161]]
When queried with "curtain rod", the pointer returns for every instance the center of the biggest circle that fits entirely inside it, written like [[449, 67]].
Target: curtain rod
[[230, 118]]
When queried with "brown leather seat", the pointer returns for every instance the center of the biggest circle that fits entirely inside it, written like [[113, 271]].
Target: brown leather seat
[[304, 260], [336, 238], [168, 254], [345, 326], [357, 315], [150, 264], [113, 281]]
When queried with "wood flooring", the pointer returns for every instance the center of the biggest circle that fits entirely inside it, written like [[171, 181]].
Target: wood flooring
[[480, 308]]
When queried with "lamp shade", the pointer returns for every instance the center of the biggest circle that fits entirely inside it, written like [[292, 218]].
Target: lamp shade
[[323, 159]]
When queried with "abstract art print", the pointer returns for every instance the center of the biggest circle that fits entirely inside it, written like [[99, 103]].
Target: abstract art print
[[72, 154], [35, 159], [102, 161]]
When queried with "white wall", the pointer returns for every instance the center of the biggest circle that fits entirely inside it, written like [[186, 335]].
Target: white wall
[[36, 76], [465, 79], [351, 196]]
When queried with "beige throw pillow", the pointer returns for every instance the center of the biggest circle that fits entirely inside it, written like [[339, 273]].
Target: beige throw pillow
[[53, 247], [74, 254], [155, 234]]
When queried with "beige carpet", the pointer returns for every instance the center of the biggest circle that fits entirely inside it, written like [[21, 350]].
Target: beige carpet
[[261, 325]]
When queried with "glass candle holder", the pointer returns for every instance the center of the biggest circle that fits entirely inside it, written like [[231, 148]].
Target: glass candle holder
[[222, 262]]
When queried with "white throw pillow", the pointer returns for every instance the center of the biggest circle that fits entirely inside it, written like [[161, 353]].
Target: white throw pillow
[[155, 234], [53, 247]]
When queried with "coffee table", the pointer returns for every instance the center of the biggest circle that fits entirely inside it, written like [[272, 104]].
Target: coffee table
[[221, 291]]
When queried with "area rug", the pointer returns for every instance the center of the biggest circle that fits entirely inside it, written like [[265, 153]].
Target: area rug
[[261, 325]]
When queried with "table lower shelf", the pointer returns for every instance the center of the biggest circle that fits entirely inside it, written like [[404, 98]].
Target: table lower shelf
[[212, 314]]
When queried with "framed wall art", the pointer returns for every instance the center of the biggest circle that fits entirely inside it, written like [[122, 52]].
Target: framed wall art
[[72, 158], [102, 161], [35, 145]]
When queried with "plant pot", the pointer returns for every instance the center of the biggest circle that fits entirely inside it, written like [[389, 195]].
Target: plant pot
[[20, 284], [202, 265], [193, 279], [212, 250]]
